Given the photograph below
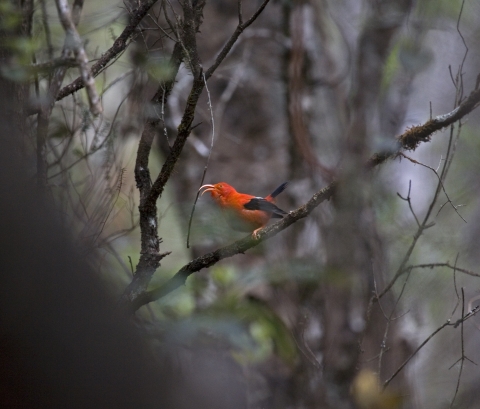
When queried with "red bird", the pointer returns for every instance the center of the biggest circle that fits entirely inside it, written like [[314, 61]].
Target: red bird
[[245, 212]]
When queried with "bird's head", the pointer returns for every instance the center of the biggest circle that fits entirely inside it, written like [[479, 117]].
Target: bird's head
[[218, 190]]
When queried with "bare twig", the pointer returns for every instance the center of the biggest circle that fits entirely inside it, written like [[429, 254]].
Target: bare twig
[[439, 181], [210, 108], [409, 141], [233, 38], [455, 285], [387, 327], [302, 343], [240, 12], [448, 265], [463, 357], [446, 324], [407, 199]]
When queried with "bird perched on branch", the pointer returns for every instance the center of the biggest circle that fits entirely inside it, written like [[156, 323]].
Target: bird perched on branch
[[245, 212]]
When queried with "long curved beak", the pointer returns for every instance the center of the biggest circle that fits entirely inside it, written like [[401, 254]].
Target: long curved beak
[[208, 188]]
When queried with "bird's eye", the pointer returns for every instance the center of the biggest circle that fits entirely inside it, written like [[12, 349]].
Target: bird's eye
[[220, 186]]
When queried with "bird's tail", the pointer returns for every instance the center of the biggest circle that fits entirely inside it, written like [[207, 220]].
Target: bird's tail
[[277, 191]]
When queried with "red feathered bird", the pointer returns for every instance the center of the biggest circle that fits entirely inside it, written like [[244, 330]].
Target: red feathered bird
[[245, 212]]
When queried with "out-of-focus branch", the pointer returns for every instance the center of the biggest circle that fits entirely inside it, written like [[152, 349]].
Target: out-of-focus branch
[[47, 106], [447, 265], [118, 46], [415, 135], [408, 140], [54, 63], [75, 42], [233, 38]]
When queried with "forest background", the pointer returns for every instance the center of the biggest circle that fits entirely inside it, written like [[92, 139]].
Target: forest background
[[364, 296]]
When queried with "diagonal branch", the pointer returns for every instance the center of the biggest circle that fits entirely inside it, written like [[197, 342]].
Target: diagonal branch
[[408, 140], [240, 246], [118, 46], [233, 38], [415, 135]]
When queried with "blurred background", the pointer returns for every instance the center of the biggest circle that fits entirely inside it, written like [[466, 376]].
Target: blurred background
[[307, 94]]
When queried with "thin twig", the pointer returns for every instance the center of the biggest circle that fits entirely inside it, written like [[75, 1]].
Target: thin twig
[[446, 324], [439, 181], [389, 320], [463, 357], [210, 108], [408, 200], [455, 285], [448, 265], [233, 38]]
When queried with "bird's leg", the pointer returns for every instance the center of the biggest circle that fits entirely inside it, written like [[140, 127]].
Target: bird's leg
[[255, 233]]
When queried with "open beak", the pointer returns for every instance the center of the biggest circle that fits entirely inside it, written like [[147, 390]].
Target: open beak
[[208, 188]]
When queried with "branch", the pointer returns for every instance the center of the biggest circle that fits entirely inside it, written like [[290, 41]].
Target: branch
[[47, 106], [446, 324], [405, 141], [234, 37], [118, 46], [184, 50], [239, 246], [198, 84], [448, 265], [410, 139], [82, 60]]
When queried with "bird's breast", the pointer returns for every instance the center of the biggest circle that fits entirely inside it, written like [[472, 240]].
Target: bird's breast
[[245, 220]]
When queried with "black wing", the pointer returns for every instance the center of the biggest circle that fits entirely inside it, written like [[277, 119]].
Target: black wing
[[259, 203]]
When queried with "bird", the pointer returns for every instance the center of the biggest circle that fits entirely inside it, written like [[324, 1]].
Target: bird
[[243, 212]]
